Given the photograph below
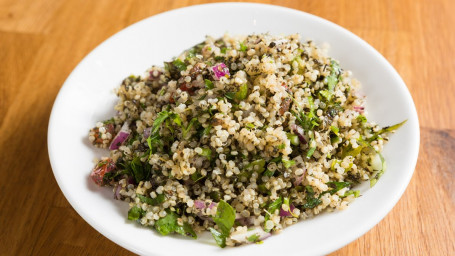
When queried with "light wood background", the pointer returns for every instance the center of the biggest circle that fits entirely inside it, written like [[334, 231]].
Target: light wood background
[[41, 42]]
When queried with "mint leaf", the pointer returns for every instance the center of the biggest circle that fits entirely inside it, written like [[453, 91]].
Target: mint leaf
[[220, 239], [224, 217], [208, 84], [186, 230]]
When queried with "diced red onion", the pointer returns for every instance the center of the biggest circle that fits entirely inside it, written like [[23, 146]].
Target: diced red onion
[[299, 179], [287, 213], [219, 70], [212, 204], [199, 204], [359, 109], [121, 137], [117, 192], [130, 180], [299, 132]]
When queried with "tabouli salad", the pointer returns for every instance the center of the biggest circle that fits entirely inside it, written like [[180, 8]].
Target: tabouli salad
[[241, 136]]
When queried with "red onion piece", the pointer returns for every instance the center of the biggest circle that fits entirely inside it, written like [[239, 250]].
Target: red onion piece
[[288, 213], [117, 192], [359, 109], [199, 204], [121, 136], [219, 70], [299, 179], [130, 180], [212, 204], [299, 132]]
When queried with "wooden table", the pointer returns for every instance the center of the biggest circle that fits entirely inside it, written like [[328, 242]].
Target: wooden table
[[41, 41]]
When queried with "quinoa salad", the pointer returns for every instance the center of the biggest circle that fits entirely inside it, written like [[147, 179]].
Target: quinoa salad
[[240, 136]]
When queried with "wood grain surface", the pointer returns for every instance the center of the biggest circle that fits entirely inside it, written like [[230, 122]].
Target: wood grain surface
[[41, 42]]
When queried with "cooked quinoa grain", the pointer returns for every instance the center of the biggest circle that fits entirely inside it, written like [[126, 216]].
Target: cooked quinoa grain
[[242, 136]]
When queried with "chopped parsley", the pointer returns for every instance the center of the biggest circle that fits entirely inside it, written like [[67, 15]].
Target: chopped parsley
[[224, 219]]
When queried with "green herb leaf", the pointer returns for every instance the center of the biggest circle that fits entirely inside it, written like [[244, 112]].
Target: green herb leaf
[[311, 201], [176, 118], [332, 80], [253, 238], [361, 119], [223, 50], [386, 129], [262, 188], [325, 94], [349, 151], [242, 93], [276, 159], [250, 126], [256, 165], [288, 163], [160, 118], [179, 64], [196, 176], [311, 144], [207, 152], [215, 195], [139, 170], [220, 238], [230, 95], [269, 173], [243, 47], [167, 224], [294, 139], [378, 175], [224, 217], [135, 213], [206, 131], [356, 193], [209, 84], [336, 186], [272, 207], [186, 230], [188, 128], [335, 130], [309, 121], [152, 201]]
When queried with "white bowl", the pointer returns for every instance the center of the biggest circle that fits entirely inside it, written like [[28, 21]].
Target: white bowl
[[87, 97]]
